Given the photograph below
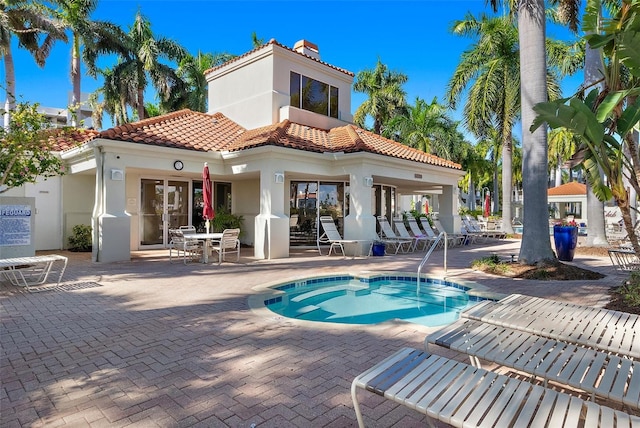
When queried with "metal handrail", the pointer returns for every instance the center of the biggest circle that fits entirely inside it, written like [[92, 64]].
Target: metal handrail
[[433, 247]]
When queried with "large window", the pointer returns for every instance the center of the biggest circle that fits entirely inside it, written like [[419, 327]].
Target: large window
[[310, 94]]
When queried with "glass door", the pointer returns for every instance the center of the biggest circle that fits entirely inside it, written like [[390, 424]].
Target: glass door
[[164, 204]]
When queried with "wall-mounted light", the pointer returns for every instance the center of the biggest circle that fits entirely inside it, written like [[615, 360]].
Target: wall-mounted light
[[117, 175], [368, 181], [278, 177]]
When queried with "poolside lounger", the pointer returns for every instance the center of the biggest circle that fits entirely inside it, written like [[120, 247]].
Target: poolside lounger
[[332, 236], [389, 237], [32, 270], [462, 395], [624, 259], [601, 374], [454, 238], [419, 238], [603, 329]]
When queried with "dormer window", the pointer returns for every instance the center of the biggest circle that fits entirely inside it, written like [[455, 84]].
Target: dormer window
[[313, 95]]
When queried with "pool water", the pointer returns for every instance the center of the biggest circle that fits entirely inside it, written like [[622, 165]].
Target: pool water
[[351, 300]]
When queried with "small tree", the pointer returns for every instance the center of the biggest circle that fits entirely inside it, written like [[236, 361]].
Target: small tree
[[27, 148]]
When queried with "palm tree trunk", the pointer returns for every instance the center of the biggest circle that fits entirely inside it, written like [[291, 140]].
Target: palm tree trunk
[[536, 244], [597, 234], [507, 187], [10, 77], [75, 77]]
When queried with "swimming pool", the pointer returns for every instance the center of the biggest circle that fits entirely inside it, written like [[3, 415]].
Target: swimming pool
[[372, 299]]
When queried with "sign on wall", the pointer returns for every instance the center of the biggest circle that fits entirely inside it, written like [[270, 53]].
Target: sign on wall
[[15, 225]]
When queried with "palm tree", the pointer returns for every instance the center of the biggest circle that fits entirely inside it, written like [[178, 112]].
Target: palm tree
[[425, 127], [28, 23], [191, 70], [140, 59], [536, 245], [562, 145], [75, 16], [386, 98]]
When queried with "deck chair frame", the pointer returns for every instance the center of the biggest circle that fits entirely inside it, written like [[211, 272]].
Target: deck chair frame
[[419, 238], [388, 236], [462, 395], [228, 244], [331, 236]]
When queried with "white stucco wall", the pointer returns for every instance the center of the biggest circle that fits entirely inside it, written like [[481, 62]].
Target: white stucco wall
[[78, 199]]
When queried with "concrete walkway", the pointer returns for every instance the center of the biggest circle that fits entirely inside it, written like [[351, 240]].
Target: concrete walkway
[[148, 343]]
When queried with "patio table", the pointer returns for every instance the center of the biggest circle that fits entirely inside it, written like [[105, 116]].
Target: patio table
[[207, 238]]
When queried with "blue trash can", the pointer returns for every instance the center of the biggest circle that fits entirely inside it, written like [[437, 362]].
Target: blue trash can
[[378, 249], [566, 240]]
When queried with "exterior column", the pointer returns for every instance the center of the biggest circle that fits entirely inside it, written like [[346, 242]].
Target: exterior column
[[111, 223], [271, 225], [448, 209], [360, 223]]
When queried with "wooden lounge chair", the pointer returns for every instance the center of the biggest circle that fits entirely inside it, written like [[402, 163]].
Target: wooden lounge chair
[[462, 395], [331, 236], [601, 374], [389, 237], [602, 329]]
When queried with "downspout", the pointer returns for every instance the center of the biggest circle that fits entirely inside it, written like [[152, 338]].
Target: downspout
[[98, 205]]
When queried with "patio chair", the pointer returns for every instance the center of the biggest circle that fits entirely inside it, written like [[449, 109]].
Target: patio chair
[[462, 395], [419, 238], [455, 239], [389, 237], [624, 258], [191, 248], [331, 236], [228, 244]]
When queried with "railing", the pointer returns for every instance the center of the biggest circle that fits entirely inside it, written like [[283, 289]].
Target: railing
[[426, 256]]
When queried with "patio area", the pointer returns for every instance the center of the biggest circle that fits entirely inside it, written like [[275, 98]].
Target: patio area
[[149, 343]]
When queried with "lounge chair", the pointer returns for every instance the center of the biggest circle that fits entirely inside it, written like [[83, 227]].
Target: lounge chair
[[597, 328], [417, 239], [228, 244], [624, 258], [455, 239], [190, 248], [389, 237], [415, 230], [599, 373], [331, 236], [462, 395]]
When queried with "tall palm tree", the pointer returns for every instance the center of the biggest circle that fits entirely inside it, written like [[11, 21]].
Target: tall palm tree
[[562, 145], [140, 59], [386, 98], [191, 70], [536, 245], [75, 16], [36, 32], [425, 127]]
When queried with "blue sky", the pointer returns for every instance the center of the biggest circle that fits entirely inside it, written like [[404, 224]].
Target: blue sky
[[411, 37]]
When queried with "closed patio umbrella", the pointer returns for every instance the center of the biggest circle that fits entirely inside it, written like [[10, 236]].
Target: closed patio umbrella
[[487, 205], [207, 194]]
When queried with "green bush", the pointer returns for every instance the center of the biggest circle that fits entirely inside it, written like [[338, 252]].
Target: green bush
[[80, 240], [225, 220]]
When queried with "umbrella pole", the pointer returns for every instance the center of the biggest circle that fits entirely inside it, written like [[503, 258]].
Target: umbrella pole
[[207, 225]]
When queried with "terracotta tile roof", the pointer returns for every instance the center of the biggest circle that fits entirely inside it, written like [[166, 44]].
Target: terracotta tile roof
[[183, 129], [568, 189], [61, 139], [186, 129], [274, 42]]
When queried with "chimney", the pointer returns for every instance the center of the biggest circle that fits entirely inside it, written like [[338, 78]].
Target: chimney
[[307, 48]]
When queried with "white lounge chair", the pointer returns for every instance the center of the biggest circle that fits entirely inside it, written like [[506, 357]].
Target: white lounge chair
[[389, 237], [417, 239], [331, 236], [228, 244], [597, 328], [599, 373], [462, 395], [624, 258]]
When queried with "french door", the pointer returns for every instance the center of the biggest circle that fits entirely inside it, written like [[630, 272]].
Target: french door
[[164, 205]]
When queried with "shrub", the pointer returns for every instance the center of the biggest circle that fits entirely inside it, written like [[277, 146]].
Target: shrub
[[80, 240]]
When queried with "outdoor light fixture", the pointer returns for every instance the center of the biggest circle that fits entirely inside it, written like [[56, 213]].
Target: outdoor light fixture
[[368, 181], [278, 177]]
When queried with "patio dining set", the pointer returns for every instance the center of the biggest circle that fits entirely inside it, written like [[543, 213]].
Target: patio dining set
[[190, 245]]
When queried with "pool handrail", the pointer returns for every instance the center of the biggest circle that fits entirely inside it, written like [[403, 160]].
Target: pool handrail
[[434, 244]]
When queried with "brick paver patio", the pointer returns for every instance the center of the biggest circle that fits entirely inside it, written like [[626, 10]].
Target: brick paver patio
[[148, 343]]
